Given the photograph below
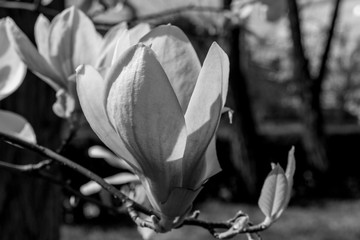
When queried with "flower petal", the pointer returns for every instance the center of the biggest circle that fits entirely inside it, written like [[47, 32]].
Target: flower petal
[[12, 69], [173, 48], [212, 162], [64, 105], [109, 45], [204, 111], [138, 31], [179, 202], [17, 126], [143, 108], [90, 89], [31, 57], [117, 179], [41, 32], [129, 38], [109, 157], [73, 41]]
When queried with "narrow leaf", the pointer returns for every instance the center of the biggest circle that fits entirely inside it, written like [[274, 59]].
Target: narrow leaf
[[273, 193]]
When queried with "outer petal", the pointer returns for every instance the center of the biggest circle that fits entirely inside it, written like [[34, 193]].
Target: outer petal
[[211, 160], [204, 111], [73, 41], [15, 125], [129, 38], [138, 31], [109, 44], [178, 58], [143, 107], [41, 32], [31, 56], [90, 89], [12, 69]]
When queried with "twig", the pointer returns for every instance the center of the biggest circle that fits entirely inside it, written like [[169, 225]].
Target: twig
[[65, 142], [48, 153], [33, 7], [28, 169], [133, 208], [327, 48], [135, 19]]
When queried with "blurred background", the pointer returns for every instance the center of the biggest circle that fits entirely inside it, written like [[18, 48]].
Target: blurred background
[[294, 81]]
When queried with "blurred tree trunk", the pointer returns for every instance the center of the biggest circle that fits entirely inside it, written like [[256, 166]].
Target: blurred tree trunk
[[30, 208], [314, 141], [243, 121], [242, 135]]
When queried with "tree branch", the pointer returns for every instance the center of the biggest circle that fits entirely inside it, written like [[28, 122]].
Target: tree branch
[[296, 34], [29, 169], [327, 48], [133, 207], [33, 7], [85, 172]]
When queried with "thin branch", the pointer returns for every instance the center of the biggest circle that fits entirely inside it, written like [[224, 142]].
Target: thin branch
[[32, 7], [48, 153], [327, 48], [66, 141], [132, 207], [28, 169], [296, 34], [166, 13], [45, 163]]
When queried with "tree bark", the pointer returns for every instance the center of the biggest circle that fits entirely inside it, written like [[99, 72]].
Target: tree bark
[[30, 209], [314, 141], [243, 146]]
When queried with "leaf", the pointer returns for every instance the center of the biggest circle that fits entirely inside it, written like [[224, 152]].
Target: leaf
[[17, 126], [290, 168], [273, 193], [290, 171]]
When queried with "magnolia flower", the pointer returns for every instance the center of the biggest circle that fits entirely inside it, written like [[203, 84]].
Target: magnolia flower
[[159, 111], [66, 42], [136, 192], [12, 74]]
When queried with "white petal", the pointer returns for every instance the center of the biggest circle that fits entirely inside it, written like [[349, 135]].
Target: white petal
[[90, 89], [31, 57], [41, 32], [118, 179], [109, 157], [212, 162], [64, 105], [137, 32], [204, 111], [129, 38], [73, 41], [12, 69], [109, 45], [143, 107], [178, 58], [17, 126]]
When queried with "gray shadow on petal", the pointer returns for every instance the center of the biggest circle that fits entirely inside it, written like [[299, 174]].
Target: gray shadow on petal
[[195, 165], [4, 74]]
